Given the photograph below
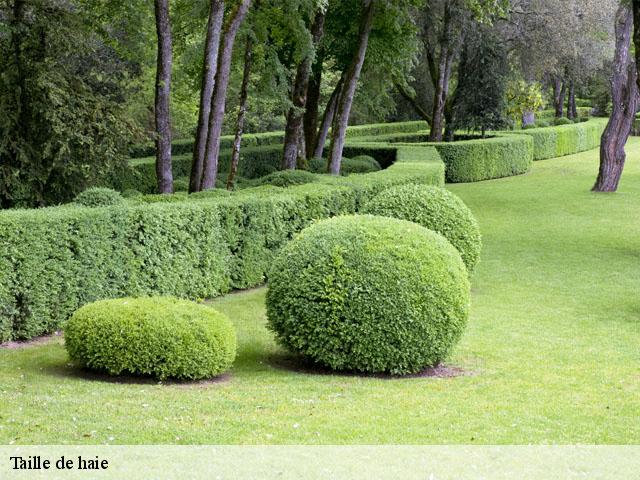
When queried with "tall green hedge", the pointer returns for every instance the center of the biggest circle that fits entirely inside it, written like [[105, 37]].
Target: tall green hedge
[[475, 160], [54, 260], [552, 142]]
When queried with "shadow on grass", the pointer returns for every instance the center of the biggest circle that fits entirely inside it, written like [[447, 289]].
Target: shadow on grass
[[296, 364], [72, 372]]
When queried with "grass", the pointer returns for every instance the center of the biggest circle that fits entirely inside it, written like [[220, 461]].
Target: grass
[[552, 348]]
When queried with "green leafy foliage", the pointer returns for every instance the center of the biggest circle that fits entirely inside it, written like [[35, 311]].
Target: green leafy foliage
[[566, 139], [523, 97], [98, 197], [436, 209], [287, 178], [369, 294], [162, 337], [359, 164], [562, 121]]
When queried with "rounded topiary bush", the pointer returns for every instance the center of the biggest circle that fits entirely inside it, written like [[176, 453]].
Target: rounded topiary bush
[[359, 164], [181, 184], [562, 121], [162, 337], [98, 197], [368, 294], [434, 208], [317, 165], [542, 124], [287, 178]]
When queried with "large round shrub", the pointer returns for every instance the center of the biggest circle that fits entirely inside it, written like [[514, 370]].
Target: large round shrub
[[162, 337], [436, 209], [368, 294], [98, 197]]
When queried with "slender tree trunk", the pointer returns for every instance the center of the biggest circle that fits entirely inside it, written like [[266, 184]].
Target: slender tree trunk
[[345, 100], [624, 93], [571, 101], [295, 117], [413, 101], [311, 113], [209, 67], [163, 91], [559, 91], [244, 90], [327, 120], [441, 89], [636, 33], [218, 100]]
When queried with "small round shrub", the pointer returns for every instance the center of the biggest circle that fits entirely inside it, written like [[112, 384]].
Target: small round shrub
[[562, 121], [181, 184], [258, 170], [434, 208], [162, 337], [368, 294], [529, 126], [131, 193], [359, 164], [98, 197], [317, 165], [542, 124], [287, 178]]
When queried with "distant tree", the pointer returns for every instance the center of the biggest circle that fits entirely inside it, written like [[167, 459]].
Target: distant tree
[[479, 102]]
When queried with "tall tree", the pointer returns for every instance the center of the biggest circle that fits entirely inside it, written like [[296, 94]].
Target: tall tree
[[209, 67], [242, 111], [219, 98], [164, 172], [295, 116], [624, 92], [348, 90]]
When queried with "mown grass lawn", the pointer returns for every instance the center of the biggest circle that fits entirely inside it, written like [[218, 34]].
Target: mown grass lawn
[[552, 349]]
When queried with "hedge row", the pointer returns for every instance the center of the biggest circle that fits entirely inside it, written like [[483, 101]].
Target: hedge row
[[550, 115], [496, 157], [185, 146], [54, 260], [552, 142]]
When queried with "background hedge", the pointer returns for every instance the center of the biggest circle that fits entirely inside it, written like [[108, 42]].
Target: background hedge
[[160, 337], [369, 294], [56, 259]]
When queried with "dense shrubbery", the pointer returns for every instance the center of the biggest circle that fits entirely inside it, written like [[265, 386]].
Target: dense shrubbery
[[317, 165], [98, 197], [562, 121], [287, 178], [159, 337], [369, 294], [475, 160], [434, 208], [54, 260], [359, 164]]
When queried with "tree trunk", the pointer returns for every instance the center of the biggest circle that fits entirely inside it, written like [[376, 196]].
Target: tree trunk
[[218, 100], [295, 117], [559, 92], [345, 99], [209, 67], [413, 101], [528, 118], [327, 120], [244, 89], [624, 93], [311, 113], [571, 101], [441, 86], [162, 98], [636, 33]]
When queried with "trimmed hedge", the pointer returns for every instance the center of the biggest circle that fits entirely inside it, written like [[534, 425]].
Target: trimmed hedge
[[160, 337], [54, 260], [550, 114], [359, 164], [185, 146], [436, 209], [369, 294], [558, 141], [476, 160], [98, 197]]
